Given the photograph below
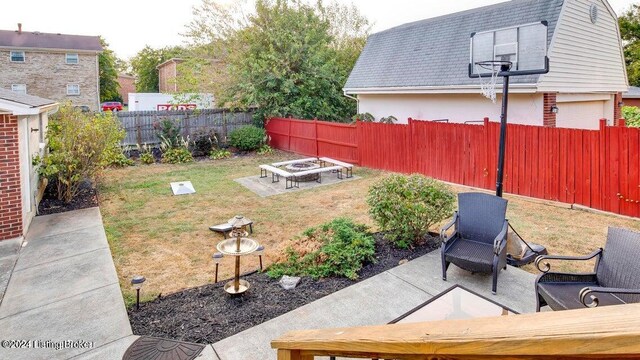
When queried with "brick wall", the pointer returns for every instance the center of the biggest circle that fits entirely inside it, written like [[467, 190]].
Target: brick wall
[[167, 73], [549, 117], [127, 85], [10, 189], [46, 75], [617, 109]]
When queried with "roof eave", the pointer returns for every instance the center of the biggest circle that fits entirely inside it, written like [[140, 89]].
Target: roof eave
[[452, 89], [16, 108], [80, 51]]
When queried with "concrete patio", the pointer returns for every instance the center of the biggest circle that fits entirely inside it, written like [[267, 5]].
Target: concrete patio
[[62, 285]]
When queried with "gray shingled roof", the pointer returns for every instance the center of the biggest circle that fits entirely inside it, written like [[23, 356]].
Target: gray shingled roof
[[29, 100], [633, 93], [435, 52], [40, 40]]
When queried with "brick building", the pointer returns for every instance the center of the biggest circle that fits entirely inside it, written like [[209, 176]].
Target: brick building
[[127, 85], [168, 72], [23, 123], [53, 66]]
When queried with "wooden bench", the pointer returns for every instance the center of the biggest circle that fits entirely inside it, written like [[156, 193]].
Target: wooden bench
[[347, 166], [319, 171], [276, 173], [289, 162]]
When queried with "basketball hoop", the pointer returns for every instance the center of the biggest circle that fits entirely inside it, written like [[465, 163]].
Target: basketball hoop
[[488, 87]]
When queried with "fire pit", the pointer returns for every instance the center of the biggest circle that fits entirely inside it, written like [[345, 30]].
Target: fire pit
[[304, 166]]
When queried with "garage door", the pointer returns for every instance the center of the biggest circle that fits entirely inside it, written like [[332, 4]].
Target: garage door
[[580, 115]]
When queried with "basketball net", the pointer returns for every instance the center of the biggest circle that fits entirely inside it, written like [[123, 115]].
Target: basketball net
[[488, 86]]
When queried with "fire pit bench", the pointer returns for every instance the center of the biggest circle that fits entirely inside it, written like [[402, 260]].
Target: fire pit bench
[[347, 166], [276, 173]]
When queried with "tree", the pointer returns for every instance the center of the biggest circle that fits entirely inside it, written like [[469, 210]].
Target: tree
[[144, 65], [630, 32], [286, 58], [109, 85]]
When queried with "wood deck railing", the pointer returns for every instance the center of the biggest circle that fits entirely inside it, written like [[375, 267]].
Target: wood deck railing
[[611, 332]]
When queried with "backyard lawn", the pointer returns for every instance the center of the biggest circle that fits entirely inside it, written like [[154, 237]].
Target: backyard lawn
[[166, 238]]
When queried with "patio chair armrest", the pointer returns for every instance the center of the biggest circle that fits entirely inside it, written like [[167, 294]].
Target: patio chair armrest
[[543, 259], [588, 299], [501, 238], [443, 231]]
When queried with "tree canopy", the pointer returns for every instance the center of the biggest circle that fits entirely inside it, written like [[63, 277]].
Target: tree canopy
[[630, 32], [144, 65], [108, 74], [284, 57]]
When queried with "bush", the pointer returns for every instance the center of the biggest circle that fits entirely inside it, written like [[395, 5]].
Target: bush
[[80, 145], [168, 131], [631, 114], [407, 206], [179, 155], [337, 248], [247, 138], [147, 158], [116, 158], [204, 142], [219, 154], [365, 117], [265, 150]]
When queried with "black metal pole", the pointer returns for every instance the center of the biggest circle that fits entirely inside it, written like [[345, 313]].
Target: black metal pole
[[260, 257], [216, 279], [503, 135], [137, 299]]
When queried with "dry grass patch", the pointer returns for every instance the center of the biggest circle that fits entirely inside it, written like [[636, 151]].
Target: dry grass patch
[[166, 238]]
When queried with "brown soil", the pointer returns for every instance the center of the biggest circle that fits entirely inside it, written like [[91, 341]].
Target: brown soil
[[206, 314]]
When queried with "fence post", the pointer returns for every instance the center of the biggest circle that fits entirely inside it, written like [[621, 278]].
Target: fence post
[[621, 122], [315, 123], [138, 130], [603, 165], [187, 124], [225, 131], [289, 136]]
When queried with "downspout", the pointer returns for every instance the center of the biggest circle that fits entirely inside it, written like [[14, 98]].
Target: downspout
[[344, 92]]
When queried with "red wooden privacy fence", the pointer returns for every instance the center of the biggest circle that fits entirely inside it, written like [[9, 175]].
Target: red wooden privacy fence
[[594, 168]]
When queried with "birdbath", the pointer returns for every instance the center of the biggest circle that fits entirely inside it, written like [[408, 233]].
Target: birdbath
[[238, 245]]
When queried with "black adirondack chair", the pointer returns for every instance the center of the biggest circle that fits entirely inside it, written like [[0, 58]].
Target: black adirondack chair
[[615, 279], [479, 240]]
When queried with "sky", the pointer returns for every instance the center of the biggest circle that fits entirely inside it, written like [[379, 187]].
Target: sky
[[129, 25]]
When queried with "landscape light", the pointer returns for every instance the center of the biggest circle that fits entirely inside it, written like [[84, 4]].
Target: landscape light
[[217, 258], [137, 282]]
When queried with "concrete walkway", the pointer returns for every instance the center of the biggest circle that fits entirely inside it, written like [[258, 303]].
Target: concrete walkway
[[379, 300], [64, 287]]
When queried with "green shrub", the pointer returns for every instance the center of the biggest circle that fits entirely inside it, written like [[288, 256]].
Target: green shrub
[[247, 138], [389, 119], [80, 145], [366, 117], [265, 150], [147, 158], [179, 155], [337, 248], [116, 158], [168, 131], [407, 206], [631, 115], [219, 154]]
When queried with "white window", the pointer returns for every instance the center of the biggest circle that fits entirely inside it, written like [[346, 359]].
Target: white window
[[73, 89], [71, 58], [19, 88], [16, 56]]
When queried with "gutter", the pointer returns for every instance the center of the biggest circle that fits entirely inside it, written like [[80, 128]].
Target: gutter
[[457, 89], [344, 93]]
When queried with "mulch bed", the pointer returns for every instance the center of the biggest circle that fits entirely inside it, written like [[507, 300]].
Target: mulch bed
[[86, 198], [207, 314]]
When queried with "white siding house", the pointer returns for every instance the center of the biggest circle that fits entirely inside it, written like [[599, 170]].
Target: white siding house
[[420, 70]]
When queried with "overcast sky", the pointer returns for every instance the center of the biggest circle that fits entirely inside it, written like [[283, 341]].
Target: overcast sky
[[129, 25]]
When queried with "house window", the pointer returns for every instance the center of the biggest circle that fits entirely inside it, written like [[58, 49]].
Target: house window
[[17, 56], [73, 89], [71, 58], [19, 88]]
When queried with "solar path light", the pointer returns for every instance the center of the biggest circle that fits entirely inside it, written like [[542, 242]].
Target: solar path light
[[260, 252], [136, 283], [217, 258]]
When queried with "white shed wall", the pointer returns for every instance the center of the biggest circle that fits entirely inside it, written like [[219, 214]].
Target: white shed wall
[[523, 108]]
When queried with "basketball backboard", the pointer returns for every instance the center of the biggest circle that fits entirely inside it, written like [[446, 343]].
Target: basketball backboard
[[525, 46]]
